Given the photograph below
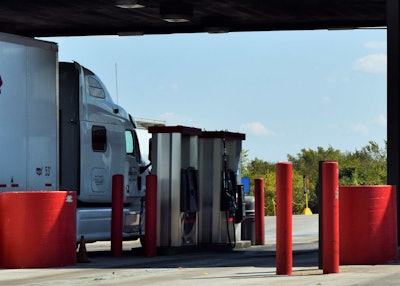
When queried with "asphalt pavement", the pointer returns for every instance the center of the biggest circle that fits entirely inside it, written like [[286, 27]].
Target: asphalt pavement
[[254, 265]]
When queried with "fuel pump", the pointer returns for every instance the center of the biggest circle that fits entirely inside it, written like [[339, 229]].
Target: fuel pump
[[228, 195], [221, 201], [241, 204], [189, 202]]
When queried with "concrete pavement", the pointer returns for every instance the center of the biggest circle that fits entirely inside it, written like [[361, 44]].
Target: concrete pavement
[[247, 266]]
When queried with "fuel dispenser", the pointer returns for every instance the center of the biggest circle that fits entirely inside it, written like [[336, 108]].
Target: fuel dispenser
[[221, 201], [174, 157]]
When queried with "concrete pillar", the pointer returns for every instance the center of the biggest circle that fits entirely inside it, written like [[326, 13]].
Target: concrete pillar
[[393, 95]]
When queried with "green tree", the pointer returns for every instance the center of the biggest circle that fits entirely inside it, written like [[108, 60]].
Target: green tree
[[256, 169], [366, 166], [307, 163]]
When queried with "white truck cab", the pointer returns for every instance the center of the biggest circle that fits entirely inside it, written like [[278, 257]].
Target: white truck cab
[[61, 130], [97, 140]]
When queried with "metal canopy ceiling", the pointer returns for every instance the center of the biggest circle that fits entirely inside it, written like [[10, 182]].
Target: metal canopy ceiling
[[42, 18]]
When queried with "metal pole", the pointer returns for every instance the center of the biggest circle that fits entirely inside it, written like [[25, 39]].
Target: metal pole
[[330, 220], [259, 211], [284, 219], [320, 215], [117, 207], [150, 245]]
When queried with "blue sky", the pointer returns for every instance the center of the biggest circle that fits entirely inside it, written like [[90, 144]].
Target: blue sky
[[284, 90]]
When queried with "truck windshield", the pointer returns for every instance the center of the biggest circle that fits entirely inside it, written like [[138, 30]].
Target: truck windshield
[[132, 144], [129, 143]]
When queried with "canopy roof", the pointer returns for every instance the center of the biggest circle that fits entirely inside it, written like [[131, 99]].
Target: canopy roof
[[42, 18]]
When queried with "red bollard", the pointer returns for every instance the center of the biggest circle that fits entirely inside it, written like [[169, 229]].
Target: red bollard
[[330, 220], [150, 245], [259, 211], [284, 219], [117, 209]]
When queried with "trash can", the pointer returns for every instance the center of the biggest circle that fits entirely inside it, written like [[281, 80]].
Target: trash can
[[368, 224], [248, 224], [37, 229]]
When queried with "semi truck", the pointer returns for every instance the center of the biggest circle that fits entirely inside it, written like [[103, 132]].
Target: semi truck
[[61, 130]]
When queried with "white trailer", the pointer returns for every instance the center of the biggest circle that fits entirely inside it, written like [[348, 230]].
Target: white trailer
[[61, 130]]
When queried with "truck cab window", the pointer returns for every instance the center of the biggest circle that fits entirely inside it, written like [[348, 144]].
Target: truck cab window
[[99, 138], [129, 143], [95, 88]]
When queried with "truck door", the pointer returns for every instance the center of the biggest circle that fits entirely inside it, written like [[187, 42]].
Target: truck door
[[133, 184]]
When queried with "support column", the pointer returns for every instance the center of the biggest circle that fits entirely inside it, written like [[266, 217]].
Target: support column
[[330, 223], [393, 93], [284, 200], [150, 245], [117, 217], [259, 197]]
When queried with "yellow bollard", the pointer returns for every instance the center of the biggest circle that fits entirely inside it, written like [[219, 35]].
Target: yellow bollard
[[306, 186], [307, 210]]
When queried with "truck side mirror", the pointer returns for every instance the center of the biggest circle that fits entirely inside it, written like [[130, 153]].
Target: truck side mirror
[[150, 149], [142, 169]]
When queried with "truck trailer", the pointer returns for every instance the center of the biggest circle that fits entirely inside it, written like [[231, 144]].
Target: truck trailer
[[61, 130]]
